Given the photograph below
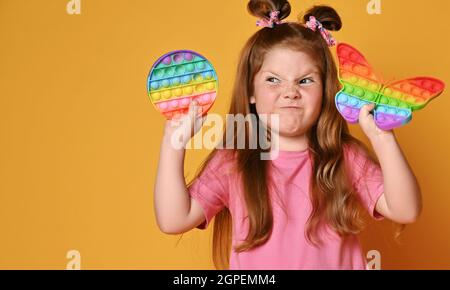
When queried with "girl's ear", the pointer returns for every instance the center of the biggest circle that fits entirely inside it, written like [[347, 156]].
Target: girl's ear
[[252, 100]]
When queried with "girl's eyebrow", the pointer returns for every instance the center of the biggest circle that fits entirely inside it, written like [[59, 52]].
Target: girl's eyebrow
[[271, 72], [308, 72]]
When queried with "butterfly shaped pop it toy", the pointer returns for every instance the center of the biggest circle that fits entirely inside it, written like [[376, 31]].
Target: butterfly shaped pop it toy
[[394, 102], [179, 77]]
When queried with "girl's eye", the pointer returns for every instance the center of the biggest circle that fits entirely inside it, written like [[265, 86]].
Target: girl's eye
[[272, 80], [306, 81]]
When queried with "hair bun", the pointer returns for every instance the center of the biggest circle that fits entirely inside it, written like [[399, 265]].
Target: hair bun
[[326, 15], [263, 8]]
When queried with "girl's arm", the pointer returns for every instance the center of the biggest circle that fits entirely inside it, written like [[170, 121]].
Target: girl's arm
[[402, 200], [175, 211]]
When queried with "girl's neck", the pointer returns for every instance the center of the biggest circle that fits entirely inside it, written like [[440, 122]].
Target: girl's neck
[[297, 143]]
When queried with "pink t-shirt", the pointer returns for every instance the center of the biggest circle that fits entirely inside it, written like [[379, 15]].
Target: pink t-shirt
[[219, 186]]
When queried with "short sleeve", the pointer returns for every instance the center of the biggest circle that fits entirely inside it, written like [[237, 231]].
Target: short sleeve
[[366, 177], [210, 188]]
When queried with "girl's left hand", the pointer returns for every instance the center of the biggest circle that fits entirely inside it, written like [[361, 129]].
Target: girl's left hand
[[368, 125]]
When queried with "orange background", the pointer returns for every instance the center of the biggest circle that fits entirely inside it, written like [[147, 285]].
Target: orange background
[[80, 139]]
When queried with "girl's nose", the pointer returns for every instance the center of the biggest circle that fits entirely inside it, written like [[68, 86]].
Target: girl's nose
[[292, 93]]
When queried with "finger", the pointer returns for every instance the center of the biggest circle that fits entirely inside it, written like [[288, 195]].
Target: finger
[[193, 107], [201, 120], [176, 123], [171, 122], [198, 111], [365, 111], [367, 108], [177, 116]]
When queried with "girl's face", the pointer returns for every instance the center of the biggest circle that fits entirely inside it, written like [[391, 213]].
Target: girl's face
[[289, 84]]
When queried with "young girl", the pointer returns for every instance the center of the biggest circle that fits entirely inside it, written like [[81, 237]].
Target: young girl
[[301, 210]]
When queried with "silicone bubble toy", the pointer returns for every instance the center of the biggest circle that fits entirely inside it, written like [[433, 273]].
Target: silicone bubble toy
[[179, 77], [394, 102]]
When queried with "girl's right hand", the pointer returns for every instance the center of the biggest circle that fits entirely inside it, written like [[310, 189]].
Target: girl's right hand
[[182, 128]]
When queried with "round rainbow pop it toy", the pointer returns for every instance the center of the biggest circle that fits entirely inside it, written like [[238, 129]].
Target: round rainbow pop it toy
[[179, 77], [394, 102]]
